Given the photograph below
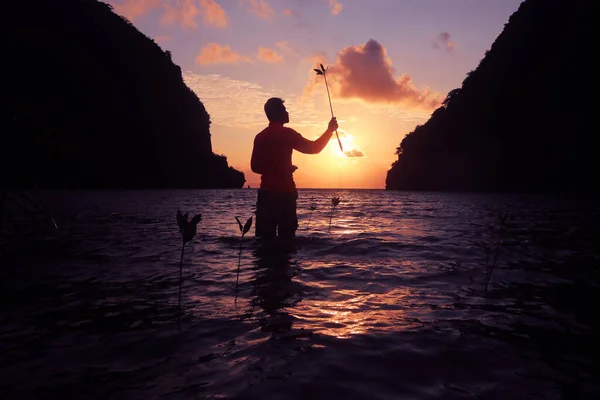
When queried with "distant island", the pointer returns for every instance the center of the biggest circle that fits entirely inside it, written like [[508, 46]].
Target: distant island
[[94, 103], [518, 123]]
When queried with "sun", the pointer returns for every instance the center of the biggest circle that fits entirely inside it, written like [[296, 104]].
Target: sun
[[347, 143]]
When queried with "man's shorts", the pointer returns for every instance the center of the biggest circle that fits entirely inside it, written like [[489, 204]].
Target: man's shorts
[[276, 212]]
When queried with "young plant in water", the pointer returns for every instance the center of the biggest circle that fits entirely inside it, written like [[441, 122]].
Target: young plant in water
[[243, 230], [323, 72], [312, 207], [334, 203], [188, 231], [489, 267]]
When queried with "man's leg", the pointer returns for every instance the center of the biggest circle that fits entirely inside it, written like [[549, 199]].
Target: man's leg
[[265, 225], [287, 218]]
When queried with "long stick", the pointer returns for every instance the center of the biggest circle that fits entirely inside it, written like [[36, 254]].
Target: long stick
[[331, 108]]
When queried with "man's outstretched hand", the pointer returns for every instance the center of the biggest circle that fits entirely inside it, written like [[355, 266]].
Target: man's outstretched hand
[[333, 125]]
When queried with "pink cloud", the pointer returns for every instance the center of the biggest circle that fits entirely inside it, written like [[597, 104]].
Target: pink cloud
[[336, 7], [214, 53], [268, 55], [284, 46], [443, 41], [185, 12], [131, 9], [262, 9], [295, 14], [213, 14], [365, 72]]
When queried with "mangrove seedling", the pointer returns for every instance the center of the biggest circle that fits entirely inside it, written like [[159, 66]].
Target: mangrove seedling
[[312, 207], [188, 231], [334, 203], [243, 230], [323, 72]]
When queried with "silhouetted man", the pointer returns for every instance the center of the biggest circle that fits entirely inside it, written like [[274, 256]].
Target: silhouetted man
[[272, 158]]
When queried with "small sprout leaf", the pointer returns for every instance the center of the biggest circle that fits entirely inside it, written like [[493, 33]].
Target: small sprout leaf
[[196, 219], [247, 226], [239, 224]]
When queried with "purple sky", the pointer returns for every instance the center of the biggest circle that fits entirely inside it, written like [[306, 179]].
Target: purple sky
[[216, 43]]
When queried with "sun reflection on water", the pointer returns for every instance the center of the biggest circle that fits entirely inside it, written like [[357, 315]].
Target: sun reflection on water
[[356, 296], [354, 313]]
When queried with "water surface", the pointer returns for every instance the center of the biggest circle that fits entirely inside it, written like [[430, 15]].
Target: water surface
[[386, 303]]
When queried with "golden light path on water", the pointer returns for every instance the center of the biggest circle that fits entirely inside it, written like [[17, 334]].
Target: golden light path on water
[[353, 312], [340, 290], [345, 312]]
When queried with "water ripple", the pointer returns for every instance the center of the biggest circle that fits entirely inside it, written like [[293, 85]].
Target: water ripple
[[386, 302]]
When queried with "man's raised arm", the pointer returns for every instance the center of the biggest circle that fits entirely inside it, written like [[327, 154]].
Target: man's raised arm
[[306, 146]]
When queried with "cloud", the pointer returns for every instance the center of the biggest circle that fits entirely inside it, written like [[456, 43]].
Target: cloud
[[365, 72], [284, 46], [131, 9], [213, 14], [443, 41], [336, 7], [214, 53], [268, 55], [237, 103], [355, 152], [230, 102], [296, 16], [163, 39], [262, 9], [412, 116], [184, 12], [347, 142]]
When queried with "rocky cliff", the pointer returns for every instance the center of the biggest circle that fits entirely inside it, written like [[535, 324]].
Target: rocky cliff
[[94, 103], [521, 120]]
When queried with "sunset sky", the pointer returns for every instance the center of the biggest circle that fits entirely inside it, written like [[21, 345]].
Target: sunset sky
[[391, 62]]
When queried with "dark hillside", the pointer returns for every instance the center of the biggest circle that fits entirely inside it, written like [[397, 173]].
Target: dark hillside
[[518, 123], [93, 102]]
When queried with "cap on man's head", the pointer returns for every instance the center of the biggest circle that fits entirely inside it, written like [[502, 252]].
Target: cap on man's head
[[274, 108]]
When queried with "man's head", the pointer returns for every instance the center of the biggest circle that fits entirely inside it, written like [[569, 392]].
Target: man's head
[[276, 111]]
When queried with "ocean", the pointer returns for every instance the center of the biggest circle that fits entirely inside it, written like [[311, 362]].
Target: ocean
[[403, 295]]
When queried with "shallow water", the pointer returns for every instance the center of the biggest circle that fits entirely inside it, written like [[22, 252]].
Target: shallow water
[[387, 303]]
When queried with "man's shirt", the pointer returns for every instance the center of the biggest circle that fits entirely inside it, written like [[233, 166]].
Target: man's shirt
[[272, 156]]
